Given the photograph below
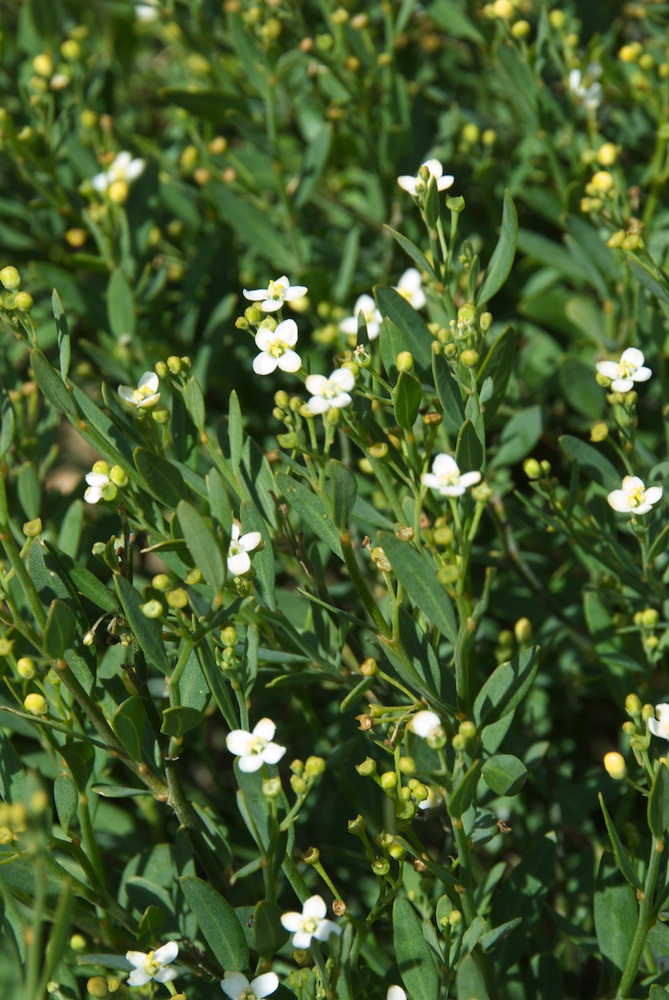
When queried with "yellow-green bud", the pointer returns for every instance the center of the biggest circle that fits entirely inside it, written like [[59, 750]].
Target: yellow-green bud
[[380, 866], [616, 239], [118, 476], [177, 598], [523, 630], [271, 787], [161, 581], [193, 576], [404, 362], [36, 704], [367, 768], [379, 450], [419, 791], [469, 358], [455, 918], [160, 369], [311, 856], [628, 728], [152, 609], [314, 767], [615, 765], [631, 241], [369, 666], [460, 742], [281, 398], [648, 712], [160, 414], [396, 852], [31, 529], [650, 618], [23, 301], [298, 784], [174, 364], [25, 667], [467, 313], [389, 781], [467, 729], [78, 942], [407, 765], [520, 29], [229, 635], [356, 826], [97, 987]]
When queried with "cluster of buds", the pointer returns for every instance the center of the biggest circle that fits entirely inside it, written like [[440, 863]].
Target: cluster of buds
[[14, 299], [13, 822], [630, 238], [304, 774]]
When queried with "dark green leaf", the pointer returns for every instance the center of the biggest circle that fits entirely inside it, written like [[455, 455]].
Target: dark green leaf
[[652, 279], [147, 631], [414, 957], [463, 796], [66, 798], [180, 719], [620, 855], [498, 365], [523, 895], [59, 629], [120, 306], [519, 436], [194, 402], [12, 778], [658, 802], [506, 687], [449, 395], [311, 510], [432, 205], [150, 927], [118, 791], [501, 261], [219, 501], [314, 160], [161, 478], [63, 334], [491, 937], [407, 397], [412, 325], [269, 935], [418, 576], [449, 16], [263, 557], [202, 545], [504, 774], [52, 386], [468, 450], [419, 259], [616, 916], [595, 465], [216, 106], [218, 923], [344, 491], [82, 579], [128, 724]]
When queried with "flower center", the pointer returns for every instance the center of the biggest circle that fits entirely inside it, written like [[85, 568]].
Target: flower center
[[257, 745], [277, 348], [234, 548], [330, 390], [636, 497], [626, 369], [142, 392], [310, 925], [449, 478], [275, 290], [247, 994], [151, 965]]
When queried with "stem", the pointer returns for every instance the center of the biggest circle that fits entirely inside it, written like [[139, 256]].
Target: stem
[[644, 921], [469, 907]]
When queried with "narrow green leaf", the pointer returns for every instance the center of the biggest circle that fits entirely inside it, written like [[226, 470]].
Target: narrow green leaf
[[269, 935], [523, 895], [468, 450], [418, 576], [616, 915], [595, 465], [463, 796], [12, 777], [66, 798], [414, 957], [343, 495], [160, 477], [432, 205], [412, 325], [407, 397], [448, 14], [449, 395], [506, 687], [82, 579], [52, 385], [235, 431], [504, 774], [118, 791], [150, 927], [519, 437], [120, 305], [180, 719], [263, 557], [314, 161], [219, 501], [59, 629], [63, 334], [214, 105], [128, 724], [202, 545], [194, 402], [419, 259], [80, 758], [491, 937], [619, 853], [218, 922], [501, 261], [147, 631], [311, 509], [498, 365], [652, 279], [7, 422]]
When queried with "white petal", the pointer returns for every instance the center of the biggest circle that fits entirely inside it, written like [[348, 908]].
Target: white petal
[[233, 984], [250, 541], [165, 975], [264, 364], [265, 729], [148, 401], [136, 958], [618, 500], [445, 465], [138, 977], [234, 531], [100, 183], [653, 494], [166, 953], [423, 723], [343, 399], [325, 929], [430, 480], [265, 338], [239, 563], [250, 763], [632, 356], [407, 183], [273, 753], [271, 305], [658, 729], [609, 369], [295, 292], [92, 494], [290, 362], [121, 161], [622, 384], [302, 939], [314, 907], [255, 294], [396, 993], [287, 332], [134, 169], [632, 483], [434, 166], [342, 377], [642, 374], [315, 384], [643, 508], [150, 380], [445, 182], [97, 479], [238, 742], [318, 404], [127, 393], [469, 478], [292, 921], [263, 985], [456, 490]]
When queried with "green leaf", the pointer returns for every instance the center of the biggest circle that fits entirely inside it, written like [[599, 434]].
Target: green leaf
[[150, 927], [418, 576], [595, 465], [202, 545], [161, 478], [343, 495], [314, 161], [469, 983], [523, 894], [498, 365], [619, 853], [616, 916], [419, 259], [491, 937], [63, 334], [52, 385], [407, 397], [80, 758], [214, 105], [506, 687], [504, 774], [463, 796], [263, 557], [652, 279], [180, 719], [147, 631], [120, 306], [519, 437], [7, 421], [194, 402], [66, 798], [59, 630], [82, 579], [118, 791], [468, 450], [448, 14], [311, 509], [412, 325], [219, 501], [12, 777], [218, 922], [658, 992], [414, 957], [658, 802], [449, 395], [128, 724], [501, 261], [269, 936]]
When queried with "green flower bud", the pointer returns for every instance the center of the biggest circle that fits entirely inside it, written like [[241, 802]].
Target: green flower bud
[[405, 810], [367, 768], [152, 609], [615, 765], [31, 529], [193, 576], [356, 826], [469, 358], [25, 667], [36, 704], [633, 706], [467, 729], [177, 598], [271, 787], [455, 918], [229, 635], [389, 781], [523, 630], [10, 278], [650, 618], [314, 767], [485, 321], [118, 476], [281, 398], [298, 784], [160, 414], [380, 866], [78, 942], [407, 765], [160, 369], [174, 364], [311, 856], [404, 362], [23, 301], [161, 581], [97, 987]]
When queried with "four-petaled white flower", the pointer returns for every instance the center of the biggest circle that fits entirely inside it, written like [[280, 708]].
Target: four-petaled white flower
[[327, 392], [277, 292], [396, 993], [634, 497], [590, 94], [410, 287], [447, 478], [660, 725], [122, 168], [366, 305], [427, 724], [152, 965], [256, 748], [417, 185], [236, 986], [276, 349], [146, 394], [310, 923], [100, 487], [627, 371], [239, 560]]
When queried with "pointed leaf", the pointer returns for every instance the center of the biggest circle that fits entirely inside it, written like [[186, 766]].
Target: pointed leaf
[[407, 397], [161, 478], [468, 450], [147, 631], [412, 325], [344, 492], [658, 802], [449, 395], [414, 957], [502, 259], [218, 922], [418, 576], [180, 719], [59, 629], [619, 853], [120, 306], [463, 796], [504, 774], [66, 798], [498, 365], [128, 724], [202, 545]]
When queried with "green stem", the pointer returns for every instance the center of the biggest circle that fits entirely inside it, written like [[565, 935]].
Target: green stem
[[468, 905], [644, 921]]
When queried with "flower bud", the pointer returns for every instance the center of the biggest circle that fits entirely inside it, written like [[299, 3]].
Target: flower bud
[[160, 368], [367, 769], [161, 581], [467, 729], [193, 576], [649, 618], [25, 667], [78, 942], [118, 192], [380, 866], [174, 364], [404, 362], [520, 29], [648, 712], [615, 765], [23, 301], [177, 598], [152, 609], [599, 432], [369, 666], [469, 358], [97, 987], [31, 529], [118, 476], [380, 559], [311, 856], [631, 241], [379, 450], [460, 742], [443, 535], [389, 781], [229, 635], [407, 765], [523, 630], [616, 239], [298, 784], [314, 767], [281, 398], [10, 278], [356, 826], [36, 704], [271, 787], [455, 918]]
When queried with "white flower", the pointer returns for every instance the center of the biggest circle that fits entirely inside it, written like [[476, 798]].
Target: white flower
[[417, 185], [590, 95], [396, 993], [146, 394], [627, 371], [276, 293], [310, 923], [256, 748], [275, 348], [122, 168], [447, 478], [98, 483], [634, 498], [366, 305], [433, 799], [237, 987], [146, 12], [152, 965], [660, 726], [410, 287], [239, 561], [427, 724], [327, 392]]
